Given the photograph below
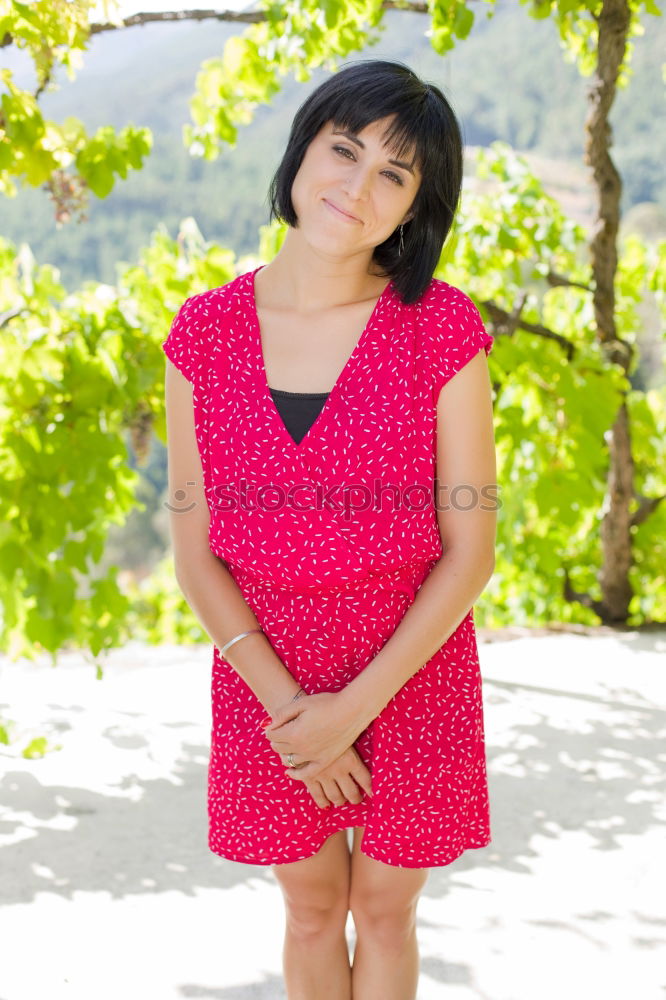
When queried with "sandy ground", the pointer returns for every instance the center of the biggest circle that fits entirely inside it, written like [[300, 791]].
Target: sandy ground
[[108, 888]]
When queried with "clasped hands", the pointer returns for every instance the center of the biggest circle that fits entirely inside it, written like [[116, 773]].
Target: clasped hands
[[319, 730]]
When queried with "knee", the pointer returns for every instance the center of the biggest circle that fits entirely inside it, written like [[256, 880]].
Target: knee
[[309, 919], [380, 919], [315, 909]]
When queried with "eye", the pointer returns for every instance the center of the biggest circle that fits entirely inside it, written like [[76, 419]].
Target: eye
[[349, 155]]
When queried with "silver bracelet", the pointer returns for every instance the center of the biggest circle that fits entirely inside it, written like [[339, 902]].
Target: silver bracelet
[[236, 639]]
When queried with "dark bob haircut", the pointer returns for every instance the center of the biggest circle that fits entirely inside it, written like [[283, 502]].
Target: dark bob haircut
[[423, 122]]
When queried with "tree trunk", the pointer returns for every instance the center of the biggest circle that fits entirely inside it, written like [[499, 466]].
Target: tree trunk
[[615, 527], [614, 21]]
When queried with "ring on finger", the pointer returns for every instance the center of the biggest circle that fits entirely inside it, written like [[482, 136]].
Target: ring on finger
[[296, 767]]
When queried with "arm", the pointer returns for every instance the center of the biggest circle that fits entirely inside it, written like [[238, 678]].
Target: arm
[[206, 583], [465, 455]]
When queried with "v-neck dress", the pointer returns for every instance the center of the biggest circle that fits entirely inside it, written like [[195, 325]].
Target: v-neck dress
[[329, 539]]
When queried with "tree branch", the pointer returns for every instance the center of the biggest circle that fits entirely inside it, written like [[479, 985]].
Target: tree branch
[[162, 16], [234, 16], [559, 280], [507, 323], [646, 506], [585, 600], [10, 314]]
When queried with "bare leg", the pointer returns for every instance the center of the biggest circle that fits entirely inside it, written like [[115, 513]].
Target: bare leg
[[316, 893], [383, 901]]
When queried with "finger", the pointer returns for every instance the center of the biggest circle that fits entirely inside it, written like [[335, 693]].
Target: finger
[[317, 793], [305, 772], [277, 726], [350, 789], [281, 745], [295, 772], [364, 779], [289, 716], [295, 767], [334, 792], [278, 738]]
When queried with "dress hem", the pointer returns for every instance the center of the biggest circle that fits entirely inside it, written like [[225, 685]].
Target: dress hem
[[375, 856]]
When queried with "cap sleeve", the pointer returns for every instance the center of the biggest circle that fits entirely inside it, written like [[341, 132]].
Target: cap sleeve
[[185, 345], [454, 332]]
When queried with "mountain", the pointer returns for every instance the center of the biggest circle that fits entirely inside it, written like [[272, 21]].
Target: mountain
[[507, 81]]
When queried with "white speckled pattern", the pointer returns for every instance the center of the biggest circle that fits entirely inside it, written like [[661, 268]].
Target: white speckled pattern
[[329, 582]]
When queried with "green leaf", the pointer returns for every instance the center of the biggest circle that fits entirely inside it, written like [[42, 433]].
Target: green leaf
[[36, 748]]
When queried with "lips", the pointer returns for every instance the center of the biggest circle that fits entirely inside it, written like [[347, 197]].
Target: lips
[[340, 211]]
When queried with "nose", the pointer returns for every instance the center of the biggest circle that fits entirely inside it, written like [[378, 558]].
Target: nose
[[357, 183]]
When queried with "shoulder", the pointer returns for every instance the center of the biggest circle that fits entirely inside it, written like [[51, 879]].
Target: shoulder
[[195, 337], [445, 305], [211, 302], [450, 331], [201, 316]]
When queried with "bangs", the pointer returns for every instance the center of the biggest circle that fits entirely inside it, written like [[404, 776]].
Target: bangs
[[402, 137]]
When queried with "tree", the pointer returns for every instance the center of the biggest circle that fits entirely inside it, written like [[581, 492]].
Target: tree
[[79, 373]]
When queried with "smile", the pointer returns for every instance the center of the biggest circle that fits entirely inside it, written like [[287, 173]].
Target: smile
[[339, 212]]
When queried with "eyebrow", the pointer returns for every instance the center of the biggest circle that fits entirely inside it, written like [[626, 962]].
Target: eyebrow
[[355, 138]]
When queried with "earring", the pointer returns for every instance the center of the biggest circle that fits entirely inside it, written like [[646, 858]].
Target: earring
[[401, 247]]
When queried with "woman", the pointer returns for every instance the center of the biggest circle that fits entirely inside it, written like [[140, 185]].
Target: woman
[[312, 414]]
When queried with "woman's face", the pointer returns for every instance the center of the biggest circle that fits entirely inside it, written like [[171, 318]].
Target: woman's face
[[351, 191]]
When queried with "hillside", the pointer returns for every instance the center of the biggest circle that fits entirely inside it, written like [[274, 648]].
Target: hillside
[[507, 81]]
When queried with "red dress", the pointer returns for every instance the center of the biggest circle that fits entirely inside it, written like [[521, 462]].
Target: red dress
[[329, 540]]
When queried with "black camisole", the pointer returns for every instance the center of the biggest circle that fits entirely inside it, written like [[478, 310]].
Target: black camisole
[[298, 410]]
